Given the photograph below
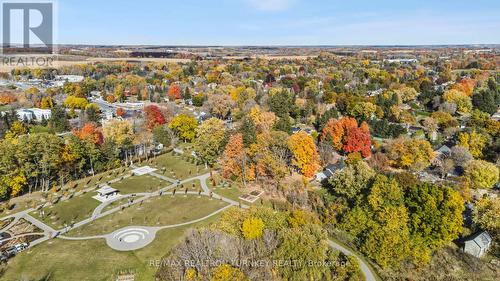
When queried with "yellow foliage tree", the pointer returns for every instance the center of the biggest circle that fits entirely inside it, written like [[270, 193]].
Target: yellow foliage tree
[[305, 155], [474, 142], [252, 228], [226, 272]]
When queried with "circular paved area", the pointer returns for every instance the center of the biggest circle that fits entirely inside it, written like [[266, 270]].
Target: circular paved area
[[131, 237]]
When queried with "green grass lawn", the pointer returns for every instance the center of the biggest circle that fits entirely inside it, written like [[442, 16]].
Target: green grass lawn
[[135, 184], [72, 210], [176, 166], [157, 211], [229, 192], [93, 259], [95, 180]]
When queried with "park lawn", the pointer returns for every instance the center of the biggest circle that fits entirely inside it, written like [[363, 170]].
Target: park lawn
[[157, 211], [193, 185], [69, 211], [176, 166], [93, 259], [95, 180], [230, 192], [137, 184]]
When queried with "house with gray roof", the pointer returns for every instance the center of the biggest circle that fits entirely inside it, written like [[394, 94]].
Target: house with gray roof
[[329, 170], [478, 244]]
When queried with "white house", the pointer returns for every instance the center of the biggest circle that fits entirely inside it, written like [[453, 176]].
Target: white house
[[106, 193], [36, 114], [61, 79], [478, 244]]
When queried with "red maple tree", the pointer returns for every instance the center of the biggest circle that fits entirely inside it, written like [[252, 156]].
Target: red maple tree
[[346, 136], [154, 117]]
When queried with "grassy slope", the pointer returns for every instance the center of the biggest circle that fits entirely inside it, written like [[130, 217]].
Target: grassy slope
[[160, 211], [74, 209], [92, 259]]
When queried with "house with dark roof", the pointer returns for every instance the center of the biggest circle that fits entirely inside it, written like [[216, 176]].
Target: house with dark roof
[[478, 244], [329, 170], [443, 150]]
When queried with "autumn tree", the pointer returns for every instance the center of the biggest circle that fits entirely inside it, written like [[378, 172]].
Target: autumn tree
[[387, 239], [75, 102], [91, 133], [481, 174], [220, 105], [225, 272], [120, 132], [209, 140], [120, 112], [474, 142], [175, 92], [345, 135], [154, 117], [461, 99], [184, 126], [415, 154], [486, 214], [16, 129], [252, 228], [305, 155], [234, 158], [271, 155]]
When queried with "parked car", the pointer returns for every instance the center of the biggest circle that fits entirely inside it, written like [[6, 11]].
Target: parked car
[[21, 247], [3, 258], [10, 252]]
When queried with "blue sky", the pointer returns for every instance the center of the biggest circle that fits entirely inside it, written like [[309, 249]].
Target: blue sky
[[279, 22]]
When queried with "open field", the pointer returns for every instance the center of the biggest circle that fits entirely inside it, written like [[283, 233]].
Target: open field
[[136, 184], [68, 211], [176, 166], [92, 60], [77, 260], [158, 211]]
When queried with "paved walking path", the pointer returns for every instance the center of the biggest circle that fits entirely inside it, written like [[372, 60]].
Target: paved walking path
[[367, 272], [135, 237]]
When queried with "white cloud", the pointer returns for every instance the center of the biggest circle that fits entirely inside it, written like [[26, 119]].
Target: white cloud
[[272, 5]]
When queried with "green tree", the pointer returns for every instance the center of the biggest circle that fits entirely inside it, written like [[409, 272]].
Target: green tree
[[306, 261], [59, 120], [209, 141], [435, 214], [280, 102], [162, 135], [247, 129], [352, 180]]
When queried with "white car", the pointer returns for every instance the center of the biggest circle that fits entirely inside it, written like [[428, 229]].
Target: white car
[[21, 246]]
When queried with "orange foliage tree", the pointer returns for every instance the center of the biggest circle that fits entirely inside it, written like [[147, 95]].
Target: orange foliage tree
[[91, 133], [7, 98], [346, 136], [174, 92], [465, 85], [120, 112], [305, 155], [234, 158]]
